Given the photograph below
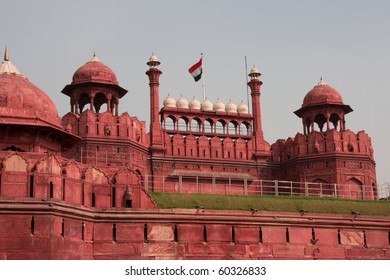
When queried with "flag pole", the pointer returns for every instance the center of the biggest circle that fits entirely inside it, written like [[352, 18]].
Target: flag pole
[[246, 76], [203, 87]]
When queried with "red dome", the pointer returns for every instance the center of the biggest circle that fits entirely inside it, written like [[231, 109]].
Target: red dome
[[322, 94], [21, 101], [96, 72]]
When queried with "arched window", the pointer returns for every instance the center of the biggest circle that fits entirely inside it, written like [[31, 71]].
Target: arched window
[[335, 120], [182, 124], [169, 123], [232, 128], [84, 99], [220, 127], [320, 120], [196, 125], [208, 126], [99, 99], [245, 129]]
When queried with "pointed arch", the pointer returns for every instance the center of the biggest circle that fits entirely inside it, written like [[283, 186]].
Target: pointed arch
[[220, 127], [320, 120], [182, 124], [170, 123], [99, 99], [335, 120], [83, 100], [208, 126], [232, 128], [352, 189], [196, 125]]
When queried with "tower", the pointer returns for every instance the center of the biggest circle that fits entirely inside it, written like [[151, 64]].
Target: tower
[[327, 154], [156, 143], [260, 151], [108, 139]]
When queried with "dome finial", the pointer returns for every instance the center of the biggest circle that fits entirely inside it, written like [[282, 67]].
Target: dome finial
[[6, 57], [94, 58], [321, 82]]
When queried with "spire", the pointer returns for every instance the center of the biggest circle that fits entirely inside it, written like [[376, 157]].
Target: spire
[[321, 83], [7, 67], [6, 57], [94, 58]]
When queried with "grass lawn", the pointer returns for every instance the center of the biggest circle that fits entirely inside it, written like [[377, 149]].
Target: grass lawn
[[271, 203]]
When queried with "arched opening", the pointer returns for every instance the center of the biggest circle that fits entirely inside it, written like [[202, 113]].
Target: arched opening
[[208, 126], [182, 124], [320, 120], [232, 128], [334, 120], [307, 124], [245, 128], [169, 123], [195, 125], [220, 127], [83, 100], [352, 189], [99, 99]]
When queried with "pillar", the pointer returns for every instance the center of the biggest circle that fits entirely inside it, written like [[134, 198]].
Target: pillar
[[156, 143], [255, 85]]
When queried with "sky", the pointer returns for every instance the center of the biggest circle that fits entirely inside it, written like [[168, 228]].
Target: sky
[[293, 43]]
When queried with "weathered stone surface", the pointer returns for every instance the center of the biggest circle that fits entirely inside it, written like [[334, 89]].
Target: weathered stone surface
[[160, 232]]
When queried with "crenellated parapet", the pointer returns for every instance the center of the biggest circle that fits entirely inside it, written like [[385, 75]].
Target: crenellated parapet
[[315, 143], [51, 178]]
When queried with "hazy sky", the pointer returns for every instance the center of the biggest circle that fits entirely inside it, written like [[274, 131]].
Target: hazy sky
[[293, 43]]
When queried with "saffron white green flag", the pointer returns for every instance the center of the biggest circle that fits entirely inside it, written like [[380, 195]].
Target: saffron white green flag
[[196, 70]]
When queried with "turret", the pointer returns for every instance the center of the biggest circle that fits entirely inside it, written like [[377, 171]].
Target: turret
[[156, 143], [255, 84]]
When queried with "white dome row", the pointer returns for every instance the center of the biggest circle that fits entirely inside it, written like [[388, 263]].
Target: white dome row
[[206, 105]]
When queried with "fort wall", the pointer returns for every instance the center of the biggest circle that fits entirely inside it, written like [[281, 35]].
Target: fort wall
[[43, 230]]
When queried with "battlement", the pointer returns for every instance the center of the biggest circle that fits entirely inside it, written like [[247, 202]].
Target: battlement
[[66, 181], [317, 143]]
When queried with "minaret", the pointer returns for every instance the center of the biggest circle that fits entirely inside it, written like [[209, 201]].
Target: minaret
[[156, 143], [255, 85]]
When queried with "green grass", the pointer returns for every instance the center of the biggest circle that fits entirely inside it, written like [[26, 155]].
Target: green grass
[[271, 203]]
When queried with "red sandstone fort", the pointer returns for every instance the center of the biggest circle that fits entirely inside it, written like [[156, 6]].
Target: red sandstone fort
[[77, 187]]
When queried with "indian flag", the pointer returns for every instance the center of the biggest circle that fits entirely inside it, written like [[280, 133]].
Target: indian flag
[[196, 70]]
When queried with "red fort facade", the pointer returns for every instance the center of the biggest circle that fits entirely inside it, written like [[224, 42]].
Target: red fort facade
[[77, 187]]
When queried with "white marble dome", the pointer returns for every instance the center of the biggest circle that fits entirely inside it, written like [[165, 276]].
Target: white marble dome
[[207, 105], [231, 107], [242, 108], [219, 106], [169, 101], [195, 104], [182, 102]]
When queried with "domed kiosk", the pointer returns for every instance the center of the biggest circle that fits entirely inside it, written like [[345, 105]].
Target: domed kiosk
[[96, 84], [323, 105]]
